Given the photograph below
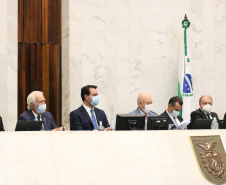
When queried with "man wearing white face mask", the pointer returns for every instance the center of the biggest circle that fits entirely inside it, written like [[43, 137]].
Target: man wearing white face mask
[[88, 117], [36, 104], [144, 102], [173, 110], [204, 112]]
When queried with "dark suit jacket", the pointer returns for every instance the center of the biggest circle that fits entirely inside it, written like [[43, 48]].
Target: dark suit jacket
[[165, 114], [80, 119], [198, 114], [47, 119], [1, 124]]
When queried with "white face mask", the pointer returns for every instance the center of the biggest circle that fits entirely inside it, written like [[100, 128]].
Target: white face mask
[[148, 108], [206, 108], [176, 113]]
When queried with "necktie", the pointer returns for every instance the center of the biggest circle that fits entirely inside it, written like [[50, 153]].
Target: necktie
[[208, 116], [39, 119], [93, 119], [146, 120]]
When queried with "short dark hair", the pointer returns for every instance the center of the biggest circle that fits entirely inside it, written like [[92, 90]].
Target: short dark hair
[[175, 99], [200, 99], [86, 90]]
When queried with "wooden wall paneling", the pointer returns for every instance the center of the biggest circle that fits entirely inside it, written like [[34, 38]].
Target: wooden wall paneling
[[27, 82], [50, 21], [39, 62], [45, 5], [34, 22], [34, 68], [31, 20], [44, 61], [55, 82], [20, 20], [53, 21], [58, 18], [39, 21], [26, 21], [21, 77]]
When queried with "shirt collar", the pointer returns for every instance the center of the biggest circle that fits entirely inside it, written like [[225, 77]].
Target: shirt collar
[[36, 115], [169, 114], [87, 108], [141, 111]]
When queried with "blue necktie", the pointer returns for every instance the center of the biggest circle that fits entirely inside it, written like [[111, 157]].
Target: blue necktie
[[93, 120]]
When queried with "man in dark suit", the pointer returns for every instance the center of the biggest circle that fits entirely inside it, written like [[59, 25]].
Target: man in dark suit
[[204, 112], [1, 124], [88, 117], [37, 111], [173, 110]]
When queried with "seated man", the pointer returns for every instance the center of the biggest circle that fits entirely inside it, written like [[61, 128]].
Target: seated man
[[144, 102], [1, 124], [88, 117], [173, 110], [205, 104], [37, 111]]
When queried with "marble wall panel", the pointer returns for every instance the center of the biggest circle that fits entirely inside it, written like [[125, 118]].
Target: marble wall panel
[[127, 47], [123, 59], [3, 30], [111, 64], [220, 8], [209, 17], [8, 62]]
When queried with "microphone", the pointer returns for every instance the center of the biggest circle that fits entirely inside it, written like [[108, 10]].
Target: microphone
[[61, 125]]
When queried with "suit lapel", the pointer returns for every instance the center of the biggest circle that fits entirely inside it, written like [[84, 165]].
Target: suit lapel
[[170, 120], [203, 114], [97, 115], [44, 121], [31, 115], [85, 113]]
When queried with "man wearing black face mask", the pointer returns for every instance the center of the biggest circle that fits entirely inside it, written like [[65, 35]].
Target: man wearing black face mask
[[88, 117], [173, 110], [204, 112]]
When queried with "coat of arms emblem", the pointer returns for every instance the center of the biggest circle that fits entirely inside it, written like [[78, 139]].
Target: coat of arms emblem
[[211, 158]]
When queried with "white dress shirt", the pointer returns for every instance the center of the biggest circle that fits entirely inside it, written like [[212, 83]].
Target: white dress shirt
[[36, 118], [89, 112], [171, 117]]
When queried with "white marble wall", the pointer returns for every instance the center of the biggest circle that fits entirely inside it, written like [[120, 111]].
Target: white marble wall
[[8, 62], [129, 46]]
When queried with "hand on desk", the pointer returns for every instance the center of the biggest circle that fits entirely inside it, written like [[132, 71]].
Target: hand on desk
[[107, 129], [59, 129]]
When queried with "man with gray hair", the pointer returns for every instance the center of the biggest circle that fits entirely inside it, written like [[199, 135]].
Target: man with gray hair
[[144, 102], [36, 104], [204, 111]]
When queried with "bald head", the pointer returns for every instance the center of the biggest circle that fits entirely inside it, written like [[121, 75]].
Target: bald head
[[204, 98], [143, 99]]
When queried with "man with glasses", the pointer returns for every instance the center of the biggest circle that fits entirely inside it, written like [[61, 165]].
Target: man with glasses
[[205, 104]]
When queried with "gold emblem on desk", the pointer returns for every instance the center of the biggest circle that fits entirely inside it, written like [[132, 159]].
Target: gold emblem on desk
[[211, 158]]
